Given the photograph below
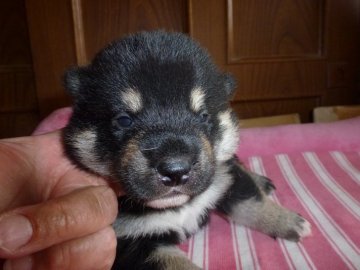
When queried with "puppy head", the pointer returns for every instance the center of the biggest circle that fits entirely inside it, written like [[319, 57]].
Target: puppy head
[[152, 111]]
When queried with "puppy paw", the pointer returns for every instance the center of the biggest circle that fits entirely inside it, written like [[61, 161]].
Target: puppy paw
[[295, 228]]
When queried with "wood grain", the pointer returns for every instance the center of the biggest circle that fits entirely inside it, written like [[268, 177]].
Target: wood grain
[[260, 108], [17, 90], [18, 99], [118, 18], [53, 48], [274, 28], [17, 124], [14, 39], [287, 55], [279, 80]]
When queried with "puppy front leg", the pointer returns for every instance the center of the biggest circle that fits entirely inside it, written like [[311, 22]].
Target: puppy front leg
[[264, 215], [150, 254], [171, 258], [247, 204]]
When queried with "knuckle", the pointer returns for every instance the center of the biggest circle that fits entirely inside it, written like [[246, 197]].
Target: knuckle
[[70, 215], [53, 259], [55, 220], [104, 202]]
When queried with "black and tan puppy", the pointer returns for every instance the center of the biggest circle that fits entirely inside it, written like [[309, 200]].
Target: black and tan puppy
[[152, 112]]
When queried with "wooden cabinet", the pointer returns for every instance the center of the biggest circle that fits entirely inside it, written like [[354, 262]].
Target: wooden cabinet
[[18, 100], [288, 56]]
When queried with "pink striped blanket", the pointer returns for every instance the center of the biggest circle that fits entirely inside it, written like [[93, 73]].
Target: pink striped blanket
[[316, 169], [324, 187]]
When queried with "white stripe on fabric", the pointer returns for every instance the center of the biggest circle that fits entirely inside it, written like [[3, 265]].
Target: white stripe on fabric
[[245, 251], [336, 237], [331, 185], [295, 254], [235, 245], [198, 248], [252, 249], [345, 164], [206, 246], [190, 248]]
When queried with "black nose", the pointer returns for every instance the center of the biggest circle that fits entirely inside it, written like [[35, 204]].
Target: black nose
[[174, 171]]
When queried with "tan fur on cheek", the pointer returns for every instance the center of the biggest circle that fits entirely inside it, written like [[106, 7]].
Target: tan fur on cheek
[[85, 144], [133, 157], [207, 150], [226, 146]]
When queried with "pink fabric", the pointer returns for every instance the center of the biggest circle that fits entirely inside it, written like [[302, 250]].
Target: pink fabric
[[343, 135], [316, 168]]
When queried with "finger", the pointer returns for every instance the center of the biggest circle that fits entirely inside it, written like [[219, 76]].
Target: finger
[[33, 228], [95, 251], [14, 170]]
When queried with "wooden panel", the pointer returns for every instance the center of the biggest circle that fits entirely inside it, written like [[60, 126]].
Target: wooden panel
[[17, 124], [270, 121], [340, 96], [69, 32], [330, 114], [14, 39], [343, 31], [279, 49], [17, 91], [18, 99], [118, 18], [343, 53], [207, 22], [259, 108], [301, 52], [274, 28], [279, 80], [52, 42]]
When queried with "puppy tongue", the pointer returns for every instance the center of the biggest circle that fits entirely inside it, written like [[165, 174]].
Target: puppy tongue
[[168, 201]]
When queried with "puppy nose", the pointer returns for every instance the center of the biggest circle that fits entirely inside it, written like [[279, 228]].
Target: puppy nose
[[174, 171]]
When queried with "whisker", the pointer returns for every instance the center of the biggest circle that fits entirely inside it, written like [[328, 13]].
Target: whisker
[[148, 149]]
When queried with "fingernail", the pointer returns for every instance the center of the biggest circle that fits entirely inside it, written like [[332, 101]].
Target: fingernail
[[15, 231], [24, 263]]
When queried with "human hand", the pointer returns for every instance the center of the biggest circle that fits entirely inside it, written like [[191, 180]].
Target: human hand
[[52, 215]]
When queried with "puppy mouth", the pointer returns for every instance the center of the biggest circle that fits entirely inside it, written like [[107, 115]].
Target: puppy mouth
[[172, 199]]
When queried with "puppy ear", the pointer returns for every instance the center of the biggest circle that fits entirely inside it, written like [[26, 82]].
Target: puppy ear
[[72, 80], [229, 84]]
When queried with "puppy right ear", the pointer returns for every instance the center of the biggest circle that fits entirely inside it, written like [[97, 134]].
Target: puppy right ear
[[229, 84], [72, 80]]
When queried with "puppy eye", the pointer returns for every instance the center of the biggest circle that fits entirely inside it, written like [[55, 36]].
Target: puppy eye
[[124, 121], [204, 117]]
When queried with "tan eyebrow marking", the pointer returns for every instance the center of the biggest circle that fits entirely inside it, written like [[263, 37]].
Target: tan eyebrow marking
[[132, 100], [197, 99]]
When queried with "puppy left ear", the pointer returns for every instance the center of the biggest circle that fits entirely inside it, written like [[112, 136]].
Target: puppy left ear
[[229, 84], [72, 80]]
